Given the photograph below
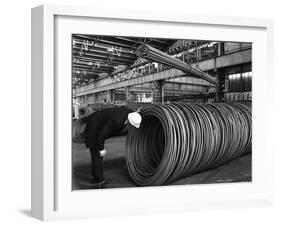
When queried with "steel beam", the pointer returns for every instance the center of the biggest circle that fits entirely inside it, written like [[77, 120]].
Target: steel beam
[[188, 84], [148, 52], [103, 53], [104, 56], [232, 59]]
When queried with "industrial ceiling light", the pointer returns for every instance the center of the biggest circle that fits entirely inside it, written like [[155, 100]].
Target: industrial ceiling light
[[97, 64], [110, 49]]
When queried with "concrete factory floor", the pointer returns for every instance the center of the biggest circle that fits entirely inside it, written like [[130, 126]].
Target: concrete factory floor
[[116, 174]]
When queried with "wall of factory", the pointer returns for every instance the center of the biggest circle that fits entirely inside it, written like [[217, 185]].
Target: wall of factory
[[240, 82]]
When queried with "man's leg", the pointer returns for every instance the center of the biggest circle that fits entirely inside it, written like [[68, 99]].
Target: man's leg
[[97, 165]]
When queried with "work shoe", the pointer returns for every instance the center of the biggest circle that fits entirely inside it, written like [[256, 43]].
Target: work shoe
[[99, 185]]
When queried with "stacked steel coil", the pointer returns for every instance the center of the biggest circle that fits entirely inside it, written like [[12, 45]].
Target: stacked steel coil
[[78, 128], [148, 52], [180, 139], [85, 111]]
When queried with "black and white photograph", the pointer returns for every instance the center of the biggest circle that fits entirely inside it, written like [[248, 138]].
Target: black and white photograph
[[149, 111], [140, 113]]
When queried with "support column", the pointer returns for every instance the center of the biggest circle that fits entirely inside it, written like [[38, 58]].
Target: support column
[[220, 48], [199, 54], [84, 99], [127, 93], [162, 91], [112, 96], [159, 94], [108, 96], [220, 75], [76, 111]]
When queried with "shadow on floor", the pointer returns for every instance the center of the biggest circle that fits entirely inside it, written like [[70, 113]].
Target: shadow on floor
[[25, 212]]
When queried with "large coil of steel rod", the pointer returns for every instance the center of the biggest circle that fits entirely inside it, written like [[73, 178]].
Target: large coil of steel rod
[[148, 52], [179, 139], [78, 128]]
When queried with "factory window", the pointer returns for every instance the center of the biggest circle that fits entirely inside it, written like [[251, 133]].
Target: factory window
[[240, 82], [247, 81], [234, 82]]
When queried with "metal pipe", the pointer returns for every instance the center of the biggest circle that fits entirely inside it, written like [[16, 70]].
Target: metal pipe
[[148, 52]]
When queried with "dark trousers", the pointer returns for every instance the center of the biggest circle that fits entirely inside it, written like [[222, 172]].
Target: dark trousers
[[97, 165]]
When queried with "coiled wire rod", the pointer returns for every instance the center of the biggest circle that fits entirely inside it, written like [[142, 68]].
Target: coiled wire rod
[[179, 139]]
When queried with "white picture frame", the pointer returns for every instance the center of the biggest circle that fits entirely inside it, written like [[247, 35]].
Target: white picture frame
[[52, 197]]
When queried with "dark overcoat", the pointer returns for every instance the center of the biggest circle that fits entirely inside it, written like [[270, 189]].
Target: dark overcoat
[[103, 124]]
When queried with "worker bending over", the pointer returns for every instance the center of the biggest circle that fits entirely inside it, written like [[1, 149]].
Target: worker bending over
[[101, 125]]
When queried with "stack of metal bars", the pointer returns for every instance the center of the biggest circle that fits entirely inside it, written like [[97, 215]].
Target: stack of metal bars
[[148, 52]]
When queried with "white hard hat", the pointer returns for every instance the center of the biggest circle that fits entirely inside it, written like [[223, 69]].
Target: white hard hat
[[135, 119], [102, 153]]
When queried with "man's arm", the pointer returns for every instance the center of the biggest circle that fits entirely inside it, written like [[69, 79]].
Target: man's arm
[[107, 130]]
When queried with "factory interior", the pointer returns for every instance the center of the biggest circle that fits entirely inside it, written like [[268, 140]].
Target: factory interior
[[152, 75]]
